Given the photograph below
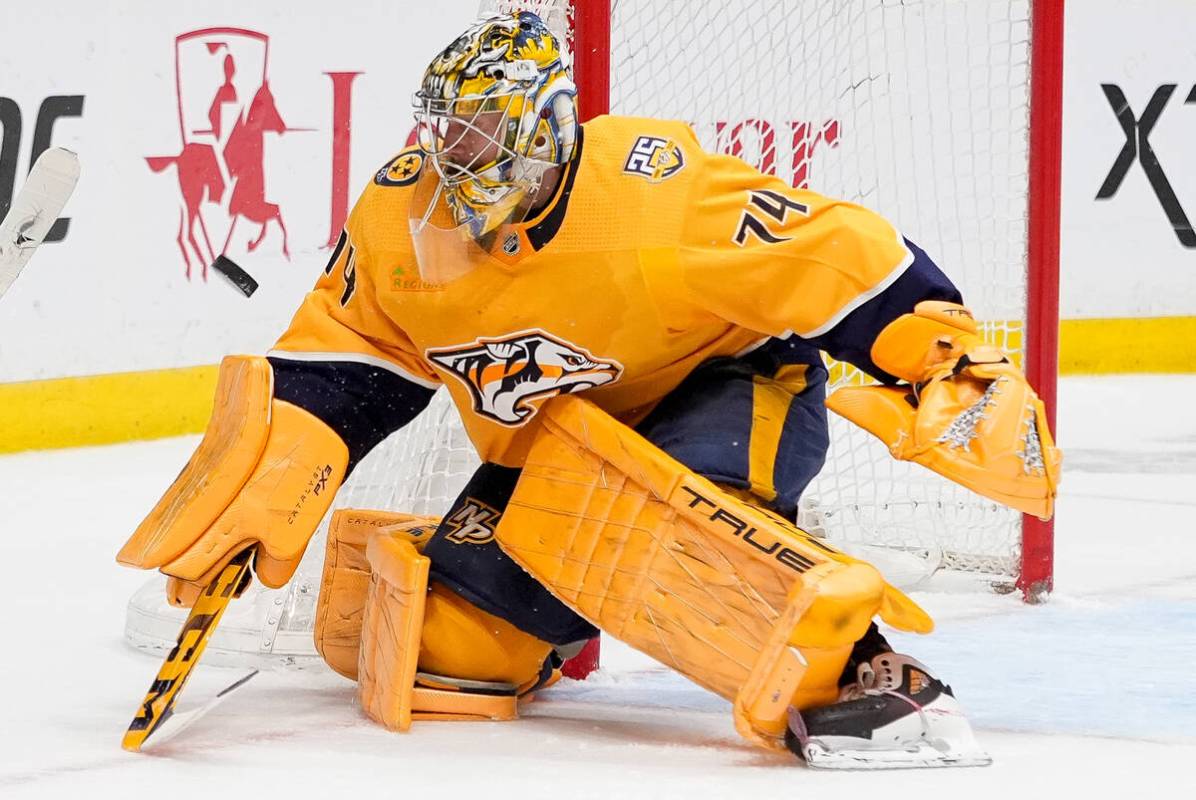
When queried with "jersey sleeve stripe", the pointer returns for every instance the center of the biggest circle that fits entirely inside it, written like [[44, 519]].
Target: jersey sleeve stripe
[[860, 299], [356, 358]]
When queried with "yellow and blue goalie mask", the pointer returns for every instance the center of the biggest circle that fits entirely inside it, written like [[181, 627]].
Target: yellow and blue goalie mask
[[495, 110]]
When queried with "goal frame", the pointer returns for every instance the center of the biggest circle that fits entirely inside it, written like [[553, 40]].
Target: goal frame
[[1036, 579], [591, 72]]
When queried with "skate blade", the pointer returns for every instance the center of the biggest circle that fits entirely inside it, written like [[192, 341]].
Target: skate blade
[[916, 755]]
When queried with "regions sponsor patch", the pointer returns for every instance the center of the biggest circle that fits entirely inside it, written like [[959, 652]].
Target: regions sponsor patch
[[654, 158], [407, 279], [402, 170], [503, 374]]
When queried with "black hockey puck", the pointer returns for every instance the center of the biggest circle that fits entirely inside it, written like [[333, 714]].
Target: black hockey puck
[[238, 277]]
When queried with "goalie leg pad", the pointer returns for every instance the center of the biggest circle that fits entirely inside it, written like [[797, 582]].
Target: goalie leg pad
[[399, 614], [346, 578], [458, 638], [463, 641], [737, 599], [467, 559], [391, 624]]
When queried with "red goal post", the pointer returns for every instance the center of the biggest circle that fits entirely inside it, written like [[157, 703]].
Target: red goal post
[[1036, 578]]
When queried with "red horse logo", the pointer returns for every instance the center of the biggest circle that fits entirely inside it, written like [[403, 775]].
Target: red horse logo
[[225, 110]]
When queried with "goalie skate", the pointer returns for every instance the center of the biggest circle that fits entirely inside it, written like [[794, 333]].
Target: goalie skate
[[896, 715]]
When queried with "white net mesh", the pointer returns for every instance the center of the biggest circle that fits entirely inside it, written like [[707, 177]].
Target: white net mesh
[[915, 109], [419, 470], [918, 110]]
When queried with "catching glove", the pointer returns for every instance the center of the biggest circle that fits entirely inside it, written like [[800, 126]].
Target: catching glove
[[967, 412]]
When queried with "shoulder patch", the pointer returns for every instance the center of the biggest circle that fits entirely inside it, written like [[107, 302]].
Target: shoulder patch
[[402, 170], [654, 158]]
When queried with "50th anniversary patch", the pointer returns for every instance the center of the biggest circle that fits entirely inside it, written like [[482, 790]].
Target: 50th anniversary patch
[[654, 158]]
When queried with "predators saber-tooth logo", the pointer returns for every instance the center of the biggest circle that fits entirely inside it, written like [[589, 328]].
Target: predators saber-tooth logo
[[503, 374]]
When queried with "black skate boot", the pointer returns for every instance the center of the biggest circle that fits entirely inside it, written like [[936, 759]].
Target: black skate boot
[[893, 714]]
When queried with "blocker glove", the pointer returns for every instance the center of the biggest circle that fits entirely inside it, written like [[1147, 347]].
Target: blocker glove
[[966, 411], [263, 477]]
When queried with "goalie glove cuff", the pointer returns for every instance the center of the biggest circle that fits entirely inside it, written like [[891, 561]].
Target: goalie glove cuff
[[937, 336]]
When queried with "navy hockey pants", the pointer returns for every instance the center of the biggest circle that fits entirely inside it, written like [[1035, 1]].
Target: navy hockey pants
[[755, 422]]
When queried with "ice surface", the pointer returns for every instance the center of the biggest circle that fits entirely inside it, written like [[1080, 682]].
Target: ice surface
[[1090, 695]]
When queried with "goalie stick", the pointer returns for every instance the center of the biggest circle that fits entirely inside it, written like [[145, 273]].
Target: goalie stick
[[33, 212], [158, 706], [178, 721]]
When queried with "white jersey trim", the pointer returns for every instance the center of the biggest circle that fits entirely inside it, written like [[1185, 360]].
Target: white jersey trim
[[859, 300], [760, 343], [356, 358]]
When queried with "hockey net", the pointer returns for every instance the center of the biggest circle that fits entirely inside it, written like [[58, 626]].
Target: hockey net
[[918, 110]]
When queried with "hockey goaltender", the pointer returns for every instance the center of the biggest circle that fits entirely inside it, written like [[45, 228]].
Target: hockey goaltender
[[632, 330]]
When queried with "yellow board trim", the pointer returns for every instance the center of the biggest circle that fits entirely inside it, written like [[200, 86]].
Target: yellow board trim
[[104, 409], [1110, 346]]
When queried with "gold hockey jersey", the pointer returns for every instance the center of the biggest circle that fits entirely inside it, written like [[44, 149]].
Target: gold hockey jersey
[[653, 257]]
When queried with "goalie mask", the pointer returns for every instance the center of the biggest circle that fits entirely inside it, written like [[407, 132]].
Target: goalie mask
[[495, 111]]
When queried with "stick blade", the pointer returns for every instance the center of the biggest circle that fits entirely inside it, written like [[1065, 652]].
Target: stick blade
[[178, 721], [158, 705], [35, 209]]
